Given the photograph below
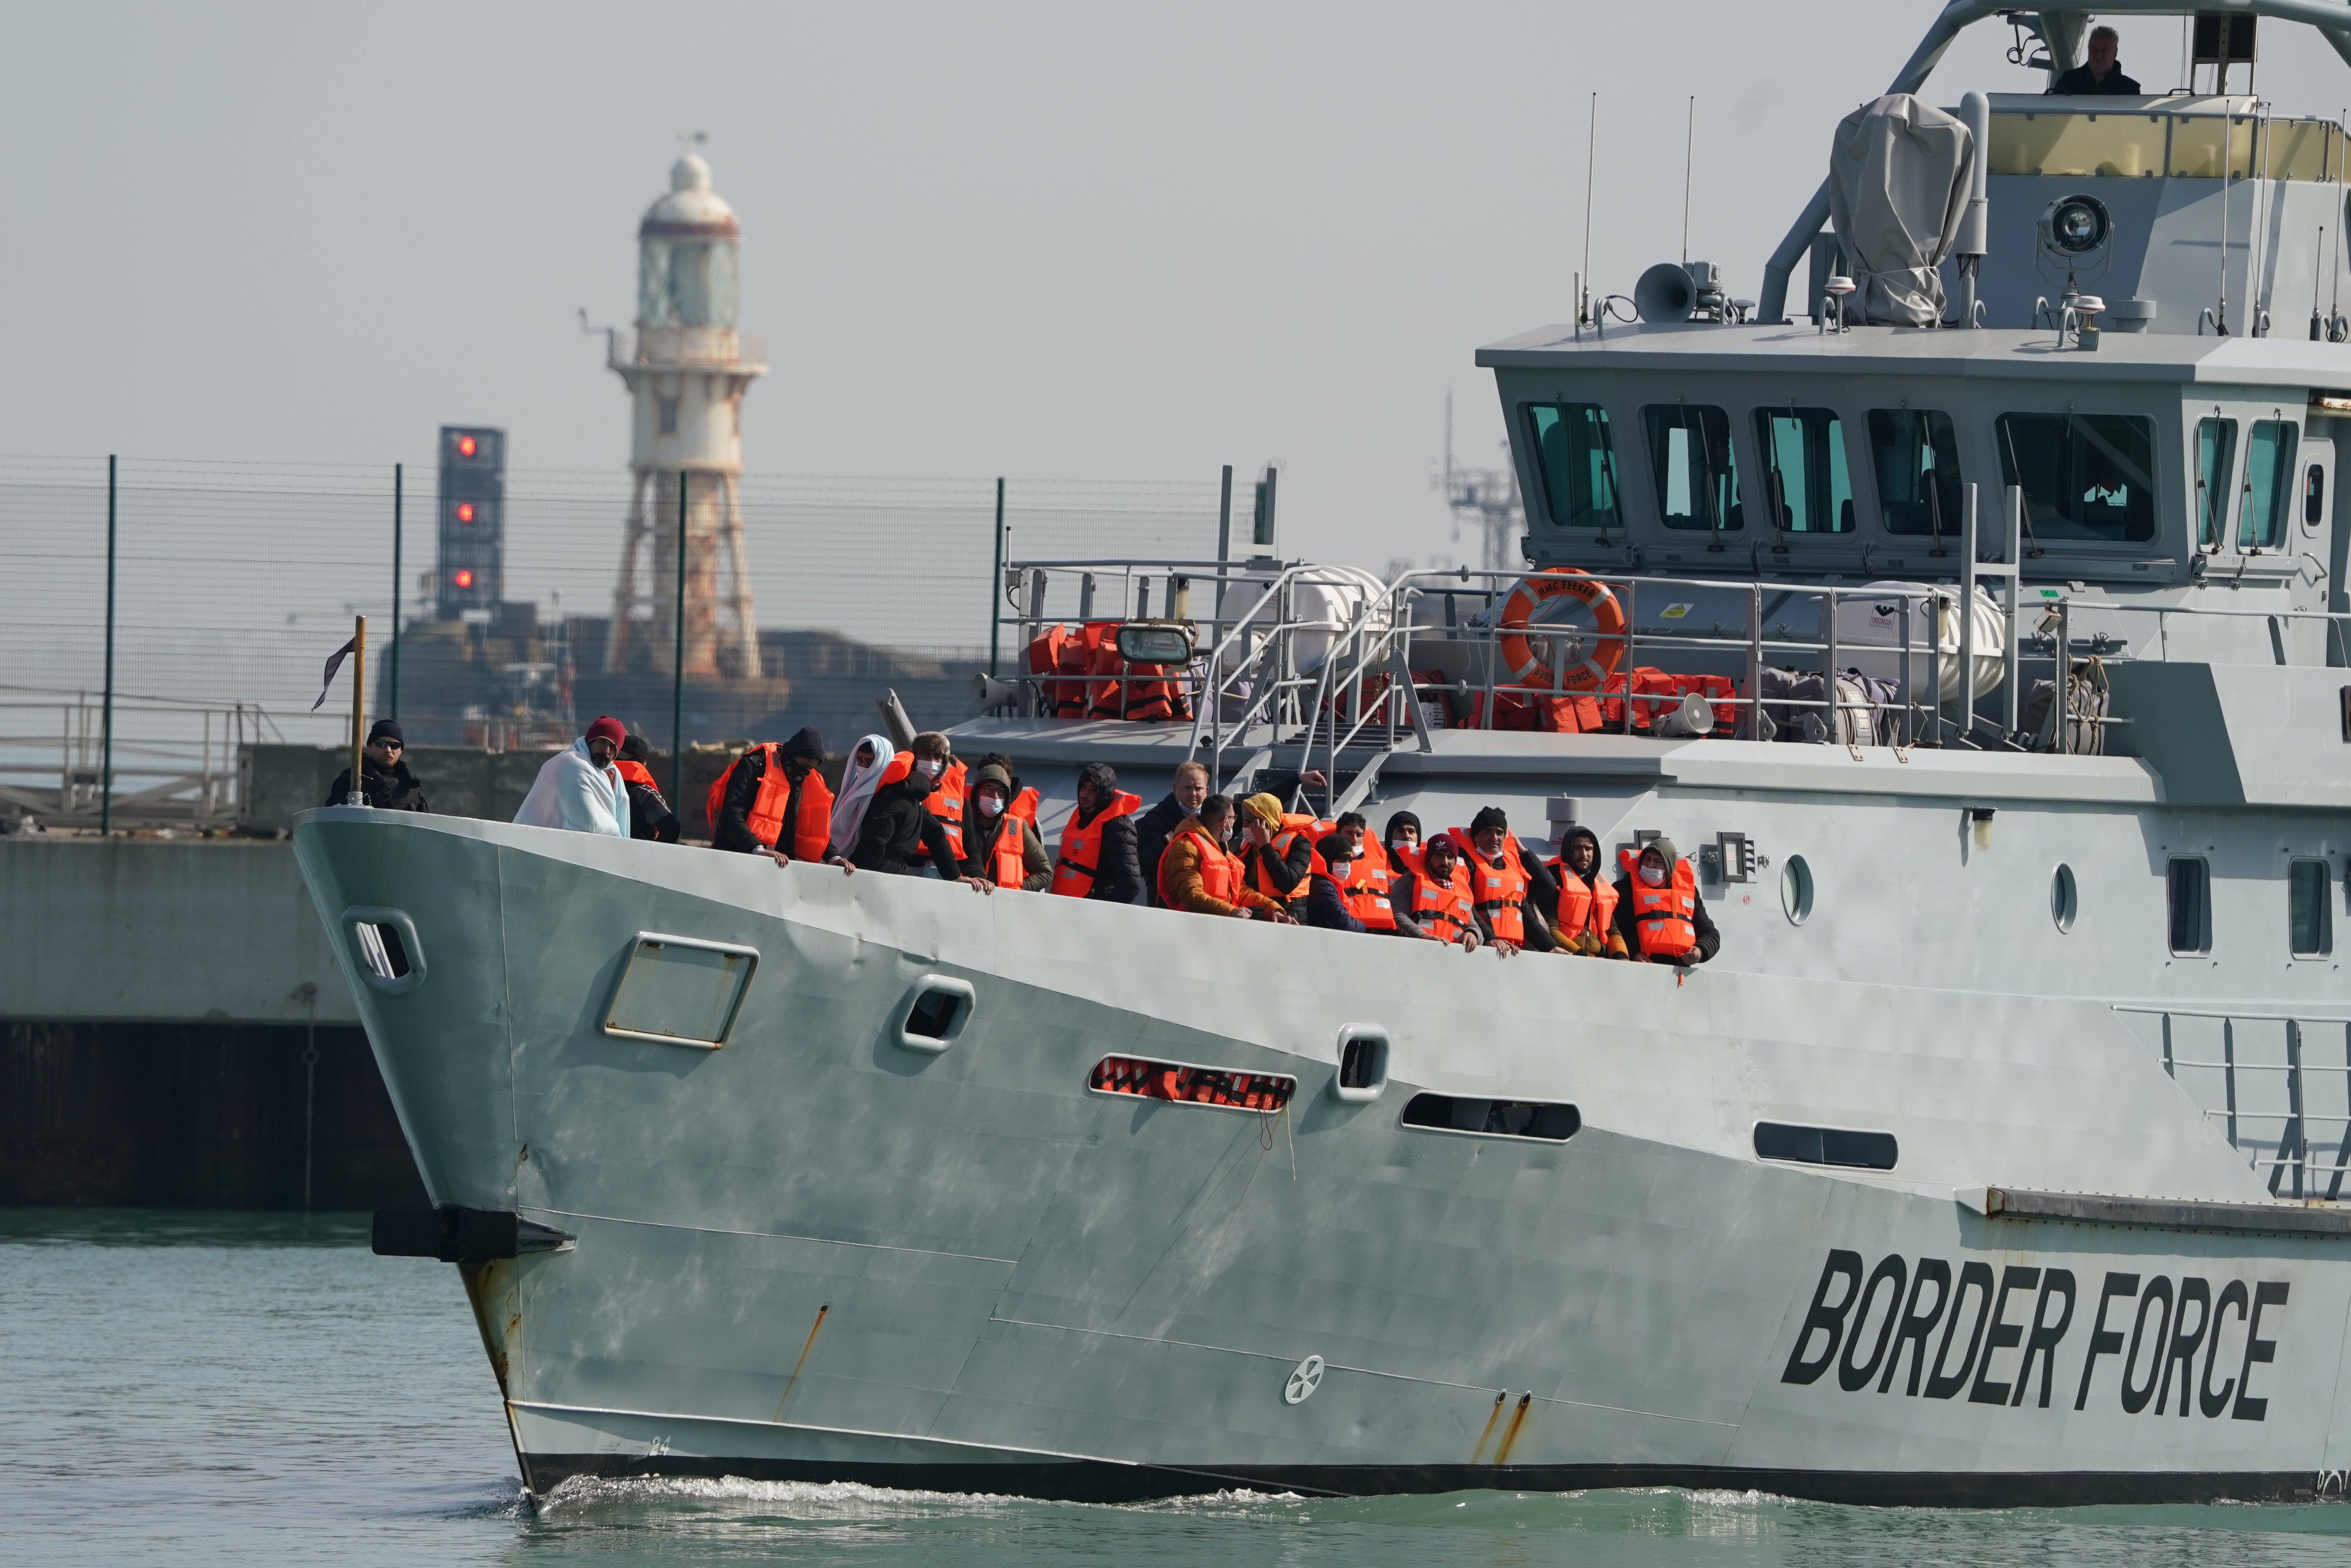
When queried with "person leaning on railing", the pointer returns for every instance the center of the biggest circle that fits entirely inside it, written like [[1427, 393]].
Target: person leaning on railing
[[1000, 847], [1658, 911], [1198, 875]]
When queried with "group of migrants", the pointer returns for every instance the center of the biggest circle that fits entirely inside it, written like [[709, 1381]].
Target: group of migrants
[[922, 812]]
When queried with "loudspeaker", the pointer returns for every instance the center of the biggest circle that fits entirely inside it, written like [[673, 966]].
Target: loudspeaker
[[994, 693], [1664, 293], [1692, 716]]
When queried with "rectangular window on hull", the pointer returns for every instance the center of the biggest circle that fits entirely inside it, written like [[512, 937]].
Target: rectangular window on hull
[[680, 991], [2269, 485], [1697, 473], [1502, 1118], [2216, 461], [1804, 468], [2309, 909], [1577, 463], [1915, 455], [1825, 1146], [2086, 476], [2188, 889], [1229, 1087]]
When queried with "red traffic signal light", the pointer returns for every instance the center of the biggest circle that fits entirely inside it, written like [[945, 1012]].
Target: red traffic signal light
[[465, 448], [462, 577], [465, 508]]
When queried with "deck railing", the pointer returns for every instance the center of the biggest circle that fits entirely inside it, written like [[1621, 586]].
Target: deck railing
[[2305, 1151]]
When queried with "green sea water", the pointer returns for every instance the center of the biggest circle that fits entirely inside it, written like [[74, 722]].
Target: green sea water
[[237, 1389]]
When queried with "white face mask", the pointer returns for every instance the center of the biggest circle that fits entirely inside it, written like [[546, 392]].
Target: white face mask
[[931, 767], [990, 807], [1655, 876]]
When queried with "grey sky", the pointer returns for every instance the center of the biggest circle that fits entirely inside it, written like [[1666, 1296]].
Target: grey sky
[[1082, 240]]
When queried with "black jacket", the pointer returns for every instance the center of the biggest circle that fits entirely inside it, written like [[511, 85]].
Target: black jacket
[[1542, 892], [1326, 907], [900, 835], [732, 830], [979, 836], [1710, 940], [388, 789], [649, 815], [1118, 879], [1153, 828], [2079, 83], [1285, 872]]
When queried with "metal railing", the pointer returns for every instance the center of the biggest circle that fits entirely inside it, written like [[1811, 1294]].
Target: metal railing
[[2295, 1171], [175, 761]]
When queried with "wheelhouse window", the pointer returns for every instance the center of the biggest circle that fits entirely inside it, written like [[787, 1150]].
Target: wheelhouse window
[[1697, 473], [2309, 909], [1915, 455], [1806, 482], [2084, 476], [2269, 485], [2216, 462], [1577, 463], [2187, 886]]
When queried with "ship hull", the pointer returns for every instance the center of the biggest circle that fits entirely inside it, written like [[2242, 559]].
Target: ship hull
[[817, 1253]]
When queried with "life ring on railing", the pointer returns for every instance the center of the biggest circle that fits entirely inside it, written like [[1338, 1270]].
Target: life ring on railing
[[1529, 659]]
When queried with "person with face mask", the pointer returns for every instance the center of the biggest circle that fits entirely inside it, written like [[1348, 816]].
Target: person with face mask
[[1586, 922], [859, 776], [1362, 875], [999, 830], [772, 801], [900, 835], [1152, 829], [1659, 914]]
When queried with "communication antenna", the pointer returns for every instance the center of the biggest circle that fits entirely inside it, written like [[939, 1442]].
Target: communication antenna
[[1690, 155], [1591, 132]]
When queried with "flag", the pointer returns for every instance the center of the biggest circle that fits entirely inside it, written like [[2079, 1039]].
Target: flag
[[334, 663]]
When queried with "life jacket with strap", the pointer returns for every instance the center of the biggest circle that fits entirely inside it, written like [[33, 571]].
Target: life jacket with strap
[[1006, 860], [1442, 908], [1407, 857], [1220, 871], [1294, 826], [1080, 853], [945, 788], [1666, 916], [1584, 910], [636, 772], [765, 820], [1499, 892], [1362, 887]]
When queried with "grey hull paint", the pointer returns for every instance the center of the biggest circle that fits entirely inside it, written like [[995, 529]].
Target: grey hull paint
[[817, 1253]]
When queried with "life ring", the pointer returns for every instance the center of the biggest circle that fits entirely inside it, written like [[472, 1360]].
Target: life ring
[[1530, 657]]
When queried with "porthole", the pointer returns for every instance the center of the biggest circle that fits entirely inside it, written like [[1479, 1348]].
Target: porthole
[[1796, 889], [1363, 1064], [936, 1010], [2061, 897]]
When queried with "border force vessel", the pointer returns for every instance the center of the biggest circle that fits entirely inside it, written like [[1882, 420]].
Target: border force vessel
[[1983, 629]]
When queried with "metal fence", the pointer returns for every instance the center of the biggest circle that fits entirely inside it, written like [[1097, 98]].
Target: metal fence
[[234, 580]]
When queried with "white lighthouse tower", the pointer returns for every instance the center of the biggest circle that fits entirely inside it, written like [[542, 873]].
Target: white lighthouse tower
[[686, 368]]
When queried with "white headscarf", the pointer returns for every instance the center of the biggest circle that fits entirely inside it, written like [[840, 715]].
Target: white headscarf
[[857, 792]]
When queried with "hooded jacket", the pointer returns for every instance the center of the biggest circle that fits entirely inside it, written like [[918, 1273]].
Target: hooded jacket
[[980, 832], [732, 830], [900, 836], [1710, 940]]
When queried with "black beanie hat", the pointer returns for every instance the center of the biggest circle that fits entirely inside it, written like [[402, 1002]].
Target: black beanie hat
[[1401, 820], [384, 730], [1334, 849], [806, 744], [1490, 816]]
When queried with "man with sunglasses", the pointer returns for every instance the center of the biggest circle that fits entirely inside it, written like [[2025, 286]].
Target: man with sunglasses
[[384, 774]]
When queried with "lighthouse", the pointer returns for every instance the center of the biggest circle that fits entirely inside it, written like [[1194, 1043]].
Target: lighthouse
[[686, 366]]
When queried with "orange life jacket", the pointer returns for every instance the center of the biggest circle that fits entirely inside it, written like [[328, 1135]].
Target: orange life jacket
[[1580, 909], [1407, 857], [1501, 893], [1221, 872], [1294, 826], [1442, 908], [1008, 863], [1663, 916], [809, 831], [1081, 852], [1363, 888], [1024, 807], [636, 774], [1145, 694], [945, 800]]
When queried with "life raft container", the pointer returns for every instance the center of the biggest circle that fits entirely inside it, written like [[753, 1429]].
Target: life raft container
[[1591, 658]]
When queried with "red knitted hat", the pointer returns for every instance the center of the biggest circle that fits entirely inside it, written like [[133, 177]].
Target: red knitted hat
[[609, 729]]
